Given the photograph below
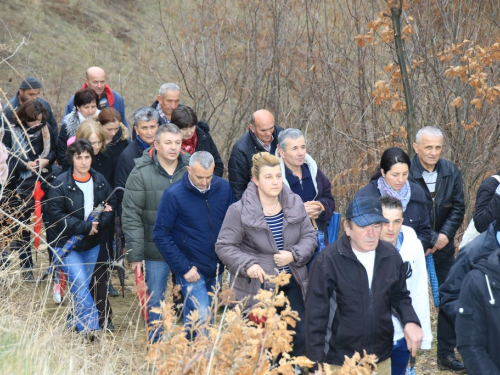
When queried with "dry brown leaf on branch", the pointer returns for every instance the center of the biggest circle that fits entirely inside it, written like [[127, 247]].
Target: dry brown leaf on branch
[[457, 102]]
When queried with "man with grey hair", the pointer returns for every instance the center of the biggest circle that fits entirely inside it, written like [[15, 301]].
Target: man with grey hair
[[156, 170], [262, 135], [95, 78], [302, 175], [167, 100], [442, 184], [187, 225], [145, 126]]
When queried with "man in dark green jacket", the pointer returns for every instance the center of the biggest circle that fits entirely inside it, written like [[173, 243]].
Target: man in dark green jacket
[[157, 169]]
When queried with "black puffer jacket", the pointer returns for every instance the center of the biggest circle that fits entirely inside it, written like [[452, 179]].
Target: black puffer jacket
[[67, 209], [240, 161], [125, 165], [206, 143], [362, 319], [415, 216], [487, 207], [447, 210], [478, 318]]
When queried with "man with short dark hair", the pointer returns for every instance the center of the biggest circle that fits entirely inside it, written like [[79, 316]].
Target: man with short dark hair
[[442, 184], [262, 135], [366, 278], [95, 78], [155, 171], [187, 225], [29, 88]]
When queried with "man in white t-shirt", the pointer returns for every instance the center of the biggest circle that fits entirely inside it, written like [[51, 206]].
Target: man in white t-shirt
[[410, 248], [366, 278]]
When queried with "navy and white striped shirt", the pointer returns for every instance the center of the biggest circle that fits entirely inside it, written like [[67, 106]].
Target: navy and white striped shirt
[[276, 225]]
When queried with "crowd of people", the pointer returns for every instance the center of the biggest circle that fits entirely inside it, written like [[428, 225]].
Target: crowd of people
[[160, 185]]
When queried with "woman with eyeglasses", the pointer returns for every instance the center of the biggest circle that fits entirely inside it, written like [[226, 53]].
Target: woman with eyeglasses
[[33, 151], [86, 106]]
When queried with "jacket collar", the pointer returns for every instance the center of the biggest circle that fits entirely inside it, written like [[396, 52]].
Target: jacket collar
[[441, 168], [109, 94], [344, 248], [214, 185], [310, 162], [71, 122], [252, 215]]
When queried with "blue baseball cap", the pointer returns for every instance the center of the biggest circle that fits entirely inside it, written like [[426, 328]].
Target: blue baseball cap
[[364, 211]]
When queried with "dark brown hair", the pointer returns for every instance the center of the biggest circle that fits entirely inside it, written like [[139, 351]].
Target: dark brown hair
[[108, 115], [30, 111]]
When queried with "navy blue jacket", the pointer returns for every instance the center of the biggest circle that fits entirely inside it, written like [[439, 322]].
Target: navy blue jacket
[[188, 224], [416, 215]]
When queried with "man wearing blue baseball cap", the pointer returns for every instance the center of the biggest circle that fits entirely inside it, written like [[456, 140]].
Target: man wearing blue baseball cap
[[354, 284]]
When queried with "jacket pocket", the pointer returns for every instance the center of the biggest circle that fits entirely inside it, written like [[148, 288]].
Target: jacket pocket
[[464, 321]]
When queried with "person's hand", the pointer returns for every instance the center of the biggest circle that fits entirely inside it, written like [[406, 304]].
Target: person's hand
[[32, 165], [430, 251], [441, 242], [43, 163], [107, 208], [283, 258], [255, 271], [137, 265], [192, 276], [313, 210], [95, 228], [413, 337]]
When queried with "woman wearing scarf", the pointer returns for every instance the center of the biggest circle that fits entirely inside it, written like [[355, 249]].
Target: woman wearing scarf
[[85, 107], [196, 135], [392, 179], [33, 148]]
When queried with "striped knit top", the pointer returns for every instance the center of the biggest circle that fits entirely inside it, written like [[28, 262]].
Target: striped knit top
[[276, 225]]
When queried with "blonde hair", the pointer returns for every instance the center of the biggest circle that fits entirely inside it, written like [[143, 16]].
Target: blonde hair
[[89, 127], [263, 159]]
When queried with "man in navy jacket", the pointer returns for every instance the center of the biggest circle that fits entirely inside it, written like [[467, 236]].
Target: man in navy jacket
[[187, 225]]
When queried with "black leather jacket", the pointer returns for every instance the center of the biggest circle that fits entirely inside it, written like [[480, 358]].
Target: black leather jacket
[[363, 318], [66, 207], [487, 206], [447, 210]]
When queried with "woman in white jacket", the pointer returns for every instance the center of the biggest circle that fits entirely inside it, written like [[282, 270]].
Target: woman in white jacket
[[410, 248]]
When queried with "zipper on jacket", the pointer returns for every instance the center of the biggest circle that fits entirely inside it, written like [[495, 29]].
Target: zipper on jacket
[[370, 344], [209, 219]]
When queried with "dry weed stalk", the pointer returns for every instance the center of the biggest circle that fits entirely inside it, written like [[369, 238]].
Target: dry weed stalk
[[360, 366]]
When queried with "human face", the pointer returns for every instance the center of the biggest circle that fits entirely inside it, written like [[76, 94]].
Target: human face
[[295, 153], [25, 95], [147, 130], [87, 110], [397, 176], [363, 239], [96, 79], [199, 176], [110, 129], [96, 143], [264, 126], [82, 163], [37, 122], [169, 146], [270, 181], [390, 230], [188, 132], [428, 150], [169, 101]]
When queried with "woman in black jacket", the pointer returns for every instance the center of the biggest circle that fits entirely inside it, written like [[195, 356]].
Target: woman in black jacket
[[74, 195], [196, 135], [392, 179], [32, 144], [116, 134]]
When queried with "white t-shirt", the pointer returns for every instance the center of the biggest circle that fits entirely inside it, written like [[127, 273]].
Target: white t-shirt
[[88, 195], [368, 261]]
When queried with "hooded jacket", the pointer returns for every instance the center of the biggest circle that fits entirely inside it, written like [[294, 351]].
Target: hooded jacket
[[476, 250], [143, 192], [416, 215], [478, 318], [245, 239], [240, 161], [323, 189], [66, 207], [363, 318], [188, 223], [487, 204], [447, 209]]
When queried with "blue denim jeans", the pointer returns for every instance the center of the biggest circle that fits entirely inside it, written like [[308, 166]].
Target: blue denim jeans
[[78, 267], [156, 274], [400, 357], [196, 296]]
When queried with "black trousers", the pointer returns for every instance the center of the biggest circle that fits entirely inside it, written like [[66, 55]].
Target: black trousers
[[446, 338], [294, 294], [99, 291]]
